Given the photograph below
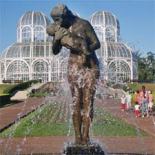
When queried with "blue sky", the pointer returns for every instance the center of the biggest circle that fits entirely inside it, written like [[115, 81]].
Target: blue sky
[[137, 18]]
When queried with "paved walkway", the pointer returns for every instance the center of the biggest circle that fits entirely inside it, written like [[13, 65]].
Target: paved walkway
[[54, 145], [8, 115]]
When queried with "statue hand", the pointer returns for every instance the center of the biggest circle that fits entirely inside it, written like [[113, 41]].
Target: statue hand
[[60, 33]]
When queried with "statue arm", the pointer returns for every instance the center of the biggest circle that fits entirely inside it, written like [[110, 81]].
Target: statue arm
[[51, 30], [75, 43], [79, 44], [93, 41], [56, 47]]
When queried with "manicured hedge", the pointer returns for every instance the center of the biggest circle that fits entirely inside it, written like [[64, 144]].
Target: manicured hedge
[[20, 86], [4, 99], [3, 87]]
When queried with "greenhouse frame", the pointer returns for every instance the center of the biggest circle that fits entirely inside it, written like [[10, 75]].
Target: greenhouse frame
[[31, 56]]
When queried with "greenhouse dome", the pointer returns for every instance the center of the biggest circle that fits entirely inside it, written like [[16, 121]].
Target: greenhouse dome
[[106, 25], [32, 27], [116, 58], [31, 56]]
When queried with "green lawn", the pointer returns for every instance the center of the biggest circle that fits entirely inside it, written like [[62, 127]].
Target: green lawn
[[4, 87], [3, 94], [53, 120]]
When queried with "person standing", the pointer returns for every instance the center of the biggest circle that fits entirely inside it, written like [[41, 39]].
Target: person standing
[[137, 110], [123, 103], [150, 98], [128, 101], [144, 99]]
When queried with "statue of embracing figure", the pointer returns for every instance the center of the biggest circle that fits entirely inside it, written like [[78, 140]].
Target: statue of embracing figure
[[79, 36]]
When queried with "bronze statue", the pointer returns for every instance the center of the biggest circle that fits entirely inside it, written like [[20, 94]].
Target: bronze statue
[[77, 35]]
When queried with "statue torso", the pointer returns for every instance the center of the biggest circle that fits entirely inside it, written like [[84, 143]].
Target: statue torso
[[79, 28]]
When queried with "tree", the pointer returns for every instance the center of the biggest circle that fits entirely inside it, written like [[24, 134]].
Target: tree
[[146, 67]]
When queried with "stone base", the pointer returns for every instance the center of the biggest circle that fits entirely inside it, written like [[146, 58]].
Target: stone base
[[91, 149]]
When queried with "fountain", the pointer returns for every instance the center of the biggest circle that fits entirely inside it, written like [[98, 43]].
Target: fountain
[[62, 105], [56, 109]]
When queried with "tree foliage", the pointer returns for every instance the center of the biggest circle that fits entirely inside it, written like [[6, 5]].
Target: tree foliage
[[146, 67]]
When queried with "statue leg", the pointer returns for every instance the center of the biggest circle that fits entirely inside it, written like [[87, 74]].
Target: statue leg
[[86, 119], [76, 113], [88, 97]]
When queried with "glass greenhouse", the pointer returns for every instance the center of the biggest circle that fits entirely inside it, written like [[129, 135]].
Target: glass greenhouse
[[116, 58], [31, 56]]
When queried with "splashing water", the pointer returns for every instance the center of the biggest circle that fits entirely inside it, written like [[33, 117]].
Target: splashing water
[[63, 104]]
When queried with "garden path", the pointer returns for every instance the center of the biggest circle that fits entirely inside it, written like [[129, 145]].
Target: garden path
[[11, 113]]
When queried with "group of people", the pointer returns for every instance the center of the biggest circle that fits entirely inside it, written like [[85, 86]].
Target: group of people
[[142, 100]]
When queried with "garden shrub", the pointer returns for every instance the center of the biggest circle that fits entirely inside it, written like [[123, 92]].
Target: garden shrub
[[4, 99], [20, 86]]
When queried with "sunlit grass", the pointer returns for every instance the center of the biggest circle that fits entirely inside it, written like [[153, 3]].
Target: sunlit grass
[[3, 87], [107, 125], [46, 121]]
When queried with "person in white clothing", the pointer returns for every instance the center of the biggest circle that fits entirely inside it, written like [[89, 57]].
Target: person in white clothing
[[123, 103], [128, 101], [137, 110]]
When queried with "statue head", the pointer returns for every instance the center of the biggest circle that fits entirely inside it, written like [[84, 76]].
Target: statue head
[[62, 15]]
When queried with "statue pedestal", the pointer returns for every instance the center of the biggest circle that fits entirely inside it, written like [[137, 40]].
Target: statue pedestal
[[91, 149]]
